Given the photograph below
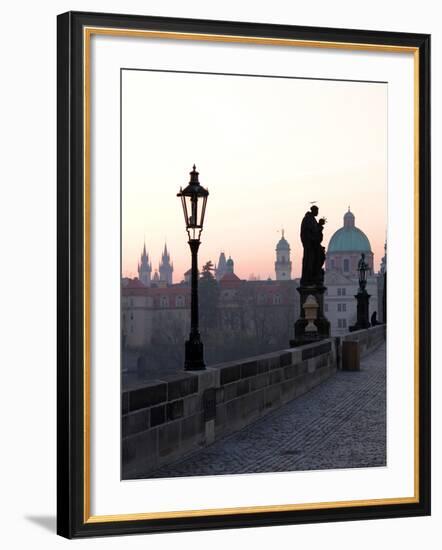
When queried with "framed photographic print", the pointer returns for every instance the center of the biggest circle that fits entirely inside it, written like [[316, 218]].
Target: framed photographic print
[[234, 201]]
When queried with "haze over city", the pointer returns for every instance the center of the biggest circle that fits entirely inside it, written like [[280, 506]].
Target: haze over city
[[265, 148]]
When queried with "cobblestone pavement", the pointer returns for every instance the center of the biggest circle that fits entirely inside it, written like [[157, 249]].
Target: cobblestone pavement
[[339, 424]]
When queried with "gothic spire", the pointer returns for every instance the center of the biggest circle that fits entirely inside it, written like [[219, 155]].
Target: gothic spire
[[165, 266]]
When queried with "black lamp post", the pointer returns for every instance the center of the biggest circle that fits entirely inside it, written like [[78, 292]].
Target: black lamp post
[[194, 200], [362, 297]]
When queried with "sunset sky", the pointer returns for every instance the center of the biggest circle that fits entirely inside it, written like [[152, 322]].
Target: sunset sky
[[265, 148]]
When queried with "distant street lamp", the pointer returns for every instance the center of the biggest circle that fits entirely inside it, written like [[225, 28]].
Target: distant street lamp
[[194, 200], [362, 298], [362, 269]]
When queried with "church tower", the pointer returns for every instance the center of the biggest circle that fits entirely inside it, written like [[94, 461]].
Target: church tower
[[220, 269], [144, 268], [283, 265], [166, 268]]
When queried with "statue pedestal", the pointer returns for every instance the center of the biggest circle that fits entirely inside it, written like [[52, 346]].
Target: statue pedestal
[[321, 323], [362, 311]]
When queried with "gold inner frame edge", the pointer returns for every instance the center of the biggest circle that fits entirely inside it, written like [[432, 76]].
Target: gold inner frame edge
[[87, 33]]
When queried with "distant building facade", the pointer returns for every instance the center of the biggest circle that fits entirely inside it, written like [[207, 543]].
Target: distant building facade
[[256, 307], [145, 308], [340, 302], [263, 309], [342, 279]]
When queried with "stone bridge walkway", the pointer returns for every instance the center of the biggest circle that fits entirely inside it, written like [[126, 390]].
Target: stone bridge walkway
[[339, 424]]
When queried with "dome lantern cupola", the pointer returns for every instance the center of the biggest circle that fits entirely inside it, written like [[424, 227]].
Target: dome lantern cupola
[[282, 243], [349, 219], [229, 265]]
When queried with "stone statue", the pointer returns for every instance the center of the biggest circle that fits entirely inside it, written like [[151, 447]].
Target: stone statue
[[314, 253], [311, 288]]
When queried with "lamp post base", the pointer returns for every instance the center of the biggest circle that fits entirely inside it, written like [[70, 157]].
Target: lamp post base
[[362, 315], [194, 355]]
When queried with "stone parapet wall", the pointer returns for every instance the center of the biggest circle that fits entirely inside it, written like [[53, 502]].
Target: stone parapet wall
[[168, 418], [369, 339]]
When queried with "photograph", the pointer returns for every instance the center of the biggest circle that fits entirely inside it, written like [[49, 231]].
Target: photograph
[[243, 274], [220, 232], [253, 273]]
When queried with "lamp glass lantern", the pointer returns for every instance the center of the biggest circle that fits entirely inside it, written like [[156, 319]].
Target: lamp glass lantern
[[194, 201], [362, 268]]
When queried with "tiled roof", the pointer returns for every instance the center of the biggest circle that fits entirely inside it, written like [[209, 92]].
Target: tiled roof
[[229, 277], [134, 283]]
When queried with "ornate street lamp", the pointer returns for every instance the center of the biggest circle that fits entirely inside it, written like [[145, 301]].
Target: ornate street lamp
[[362, 297], [194, 200], [362, 269]]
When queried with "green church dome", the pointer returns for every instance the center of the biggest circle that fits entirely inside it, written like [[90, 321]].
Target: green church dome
[[349, 238]]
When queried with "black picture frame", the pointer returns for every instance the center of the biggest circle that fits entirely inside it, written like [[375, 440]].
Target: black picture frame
[[72, 508]]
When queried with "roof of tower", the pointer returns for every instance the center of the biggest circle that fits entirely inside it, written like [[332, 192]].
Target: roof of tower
[[144, 255], [282, 243], [222, 259]]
